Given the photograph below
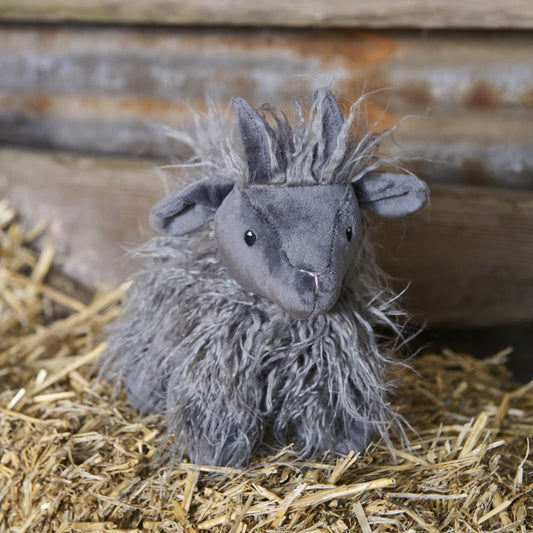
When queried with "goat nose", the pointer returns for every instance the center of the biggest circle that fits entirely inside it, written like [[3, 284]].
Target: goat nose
[[314, 275]]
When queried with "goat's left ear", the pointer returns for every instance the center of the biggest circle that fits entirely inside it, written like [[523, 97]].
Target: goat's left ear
[[391, 195], [184, 211]]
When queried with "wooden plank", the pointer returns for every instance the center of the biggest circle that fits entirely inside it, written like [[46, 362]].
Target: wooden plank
[[106, 90], [96, 207], [336, 13], [469, 255]]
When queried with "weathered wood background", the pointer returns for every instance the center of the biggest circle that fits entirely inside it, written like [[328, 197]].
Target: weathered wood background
[[81, 109], [106, 90], [457, 252], [338, 13]]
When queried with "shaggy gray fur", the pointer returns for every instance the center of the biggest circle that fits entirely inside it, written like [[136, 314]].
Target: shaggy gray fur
[[231, 369], [301, 151], [227, 366]]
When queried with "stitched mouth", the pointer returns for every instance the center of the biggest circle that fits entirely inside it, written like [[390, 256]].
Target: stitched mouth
[[320, 304], [309, 294], [315, 276], [320, 294]]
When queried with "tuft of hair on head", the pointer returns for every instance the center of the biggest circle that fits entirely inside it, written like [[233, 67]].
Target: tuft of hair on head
[[314, 145]]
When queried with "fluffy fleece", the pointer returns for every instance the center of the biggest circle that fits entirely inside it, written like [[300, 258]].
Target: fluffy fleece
[[231, 370], [297, 146]]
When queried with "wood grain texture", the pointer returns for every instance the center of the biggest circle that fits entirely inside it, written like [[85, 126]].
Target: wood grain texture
[[96, 207], [469, 256], [107, 90], [338, 13]]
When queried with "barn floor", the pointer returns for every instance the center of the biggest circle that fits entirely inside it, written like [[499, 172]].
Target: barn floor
[[73, 458]]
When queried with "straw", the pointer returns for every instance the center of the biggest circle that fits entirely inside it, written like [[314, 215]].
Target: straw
[[75, 458]]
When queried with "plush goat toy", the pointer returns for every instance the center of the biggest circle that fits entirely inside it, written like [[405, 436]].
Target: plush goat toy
[[270, 330]]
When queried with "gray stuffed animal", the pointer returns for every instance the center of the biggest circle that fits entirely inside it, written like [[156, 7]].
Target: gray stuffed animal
[[270, 331]]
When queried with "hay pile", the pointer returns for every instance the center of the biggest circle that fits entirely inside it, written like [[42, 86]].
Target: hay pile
[[71, 459]]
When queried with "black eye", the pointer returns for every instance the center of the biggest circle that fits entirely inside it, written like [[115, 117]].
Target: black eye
[[349, 233], [249, 237]]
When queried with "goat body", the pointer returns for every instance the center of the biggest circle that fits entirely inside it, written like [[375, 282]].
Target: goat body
[[269, 329]]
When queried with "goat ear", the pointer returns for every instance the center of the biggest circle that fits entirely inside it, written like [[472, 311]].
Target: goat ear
[[184, 211], [391, 195], [255, 140], [332, 119]]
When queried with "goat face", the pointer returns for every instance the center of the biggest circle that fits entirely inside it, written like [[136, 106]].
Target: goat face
[[292, 245], [289, 242]]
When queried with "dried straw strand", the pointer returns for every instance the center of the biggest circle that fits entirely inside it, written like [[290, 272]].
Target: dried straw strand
[[75, 458]]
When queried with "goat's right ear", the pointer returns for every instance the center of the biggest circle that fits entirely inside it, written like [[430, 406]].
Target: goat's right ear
[[184, 211], [255, 141], [332, 119]]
